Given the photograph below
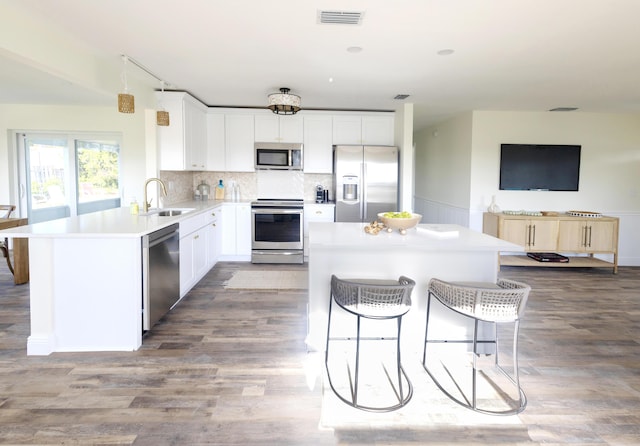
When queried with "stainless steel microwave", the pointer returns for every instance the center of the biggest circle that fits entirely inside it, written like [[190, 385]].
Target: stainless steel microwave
[[282, 156]]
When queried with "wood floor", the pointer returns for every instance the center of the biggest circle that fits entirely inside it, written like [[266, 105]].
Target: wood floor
[[230, 367]]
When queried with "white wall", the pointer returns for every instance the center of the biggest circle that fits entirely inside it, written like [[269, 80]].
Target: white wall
[[443, 170], [75, 119], [609, 173]]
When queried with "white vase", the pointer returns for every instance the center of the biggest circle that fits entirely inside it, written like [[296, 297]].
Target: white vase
[[493, 207]]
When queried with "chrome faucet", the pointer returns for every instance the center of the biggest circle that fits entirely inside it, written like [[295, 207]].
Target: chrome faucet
[[147, 203]]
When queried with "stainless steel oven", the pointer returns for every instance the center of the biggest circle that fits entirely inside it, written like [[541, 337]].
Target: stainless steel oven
[[277, 231]]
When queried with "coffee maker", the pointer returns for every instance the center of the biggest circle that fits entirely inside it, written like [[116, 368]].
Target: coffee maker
[[322, 194]]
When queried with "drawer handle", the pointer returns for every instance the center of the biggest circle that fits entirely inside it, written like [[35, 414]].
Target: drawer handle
[[196, 236]]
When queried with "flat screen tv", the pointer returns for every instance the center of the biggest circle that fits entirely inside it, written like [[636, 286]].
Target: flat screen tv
[[539, 167]]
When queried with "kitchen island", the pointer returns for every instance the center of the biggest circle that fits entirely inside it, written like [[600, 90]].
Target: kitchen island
[[86, 276], [448, 252]]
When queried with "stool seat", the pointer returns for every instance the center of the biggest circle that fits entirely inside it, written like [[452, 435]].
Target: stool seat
[[373, 299], [497, 303]]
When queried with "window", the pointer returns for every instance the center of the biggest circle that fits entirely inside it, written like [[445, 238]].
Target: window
[[65, 175]]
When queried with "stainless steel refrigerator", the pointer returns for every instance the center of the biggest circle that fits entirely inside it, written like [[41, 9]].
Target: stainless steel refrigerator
[[365, 181]]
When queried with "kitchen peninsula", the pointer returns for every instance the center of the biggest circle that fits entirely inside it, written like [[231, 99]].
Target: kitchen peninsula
[[86, 277], [448, 252]]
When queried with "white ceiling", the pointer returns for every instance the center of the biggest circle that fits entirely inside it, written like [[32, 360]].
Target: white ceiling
[[508, 54]]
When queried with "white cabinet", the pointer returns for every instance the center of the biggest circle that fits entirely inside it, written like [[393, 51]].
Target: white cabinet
[[230, 142], [200, 245], [347, 129], [378, 130], [318, 144], [364, 129], [193, 252], [239, 140], [214, 238], [216, 158], [236, 231], [316, 212], [278, 128], [183, 144]]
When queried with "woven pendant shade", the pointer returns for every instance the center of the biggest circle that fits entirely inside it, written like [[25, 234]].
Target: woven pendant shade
[[162, 118], [126, 103]]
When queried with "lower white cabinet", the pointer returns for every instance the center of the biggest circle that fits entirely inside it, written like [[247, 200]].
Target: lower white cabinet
[[236, 231], [316, 212], [214, 237], [199, 248]]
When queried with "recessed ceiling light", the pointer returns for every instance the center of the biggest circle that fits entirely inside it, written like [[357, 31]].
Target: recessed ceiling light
[[354, 49], [445, 52], [561, 109], [330, 80]]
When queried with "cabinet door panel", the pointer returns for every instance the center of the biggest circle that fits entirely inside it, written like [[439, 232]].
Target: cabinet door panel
[[378, 130], [267, 128], [544, 236], [318, 148], [601, 236], [515, 231], [587, 236], [347, 130], [239, 139], [534, 235], [243, 230], [572, 236]]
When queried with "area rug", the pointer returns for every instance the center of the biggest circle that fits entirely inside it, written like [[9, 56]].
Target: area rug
[[268, 280]]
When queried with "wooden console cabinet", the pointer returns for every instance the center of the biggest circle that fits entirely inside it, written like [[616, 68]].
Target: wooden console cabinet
[[563, 234]]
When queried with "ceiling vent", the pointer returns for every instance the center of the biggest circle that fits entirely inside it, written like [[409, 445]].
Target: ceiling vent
[[564, 109], [401, 96], [340, 17]]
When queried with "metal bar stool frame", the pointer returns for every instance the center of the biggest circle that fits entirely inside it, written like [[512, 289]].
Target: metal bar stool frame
[[503, 302], [376, 300]]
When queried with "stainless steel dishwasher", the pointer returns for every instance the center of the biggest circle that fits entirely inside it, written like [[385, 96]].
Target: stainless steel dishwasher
[[160, 274]]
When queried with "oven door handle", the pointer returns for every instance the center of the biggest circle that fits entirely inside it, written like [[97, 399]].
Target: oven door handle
[[276, 211]]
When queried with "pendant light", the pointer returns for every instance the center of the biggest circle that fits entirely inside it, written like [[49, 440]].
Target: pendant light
[[126, 102], [162, 116], [284, 103]]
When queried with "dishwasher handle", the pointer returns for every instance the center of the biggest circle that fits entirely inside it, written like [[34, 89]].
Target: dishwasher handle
[[163, 234]]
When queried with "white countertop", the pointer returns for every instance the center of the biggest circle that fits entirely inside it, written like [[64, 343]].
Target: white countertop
[[432, 237], [118, 222]]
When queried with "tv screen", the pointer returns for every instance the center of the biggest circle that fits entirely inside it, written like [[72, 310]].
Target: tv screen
[[539, 167]]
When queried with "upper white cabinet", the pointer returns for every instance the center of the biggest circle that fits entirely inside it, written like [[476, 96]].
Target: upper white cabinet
[[364, 129], [318, 144], [347, 129], [231, 134], [270, 127], [378, 130], [183, 144], [230, 142], [216, 158]]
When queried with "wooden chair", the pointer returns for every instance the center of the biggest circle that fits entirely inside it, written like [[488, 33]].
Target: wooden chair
[[5, 212]]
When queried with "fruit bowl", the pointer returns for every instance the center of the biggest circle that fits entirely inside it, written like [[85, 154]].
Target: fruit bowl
[[400, 223]]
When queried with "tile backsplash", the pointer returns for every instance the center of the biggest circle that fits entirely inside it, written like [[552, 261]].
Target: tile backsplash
[[182, 185]]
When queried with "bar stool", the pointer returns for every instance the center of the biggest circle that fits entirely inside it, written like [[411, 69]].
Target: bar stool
[[503, 302], [376, 300]]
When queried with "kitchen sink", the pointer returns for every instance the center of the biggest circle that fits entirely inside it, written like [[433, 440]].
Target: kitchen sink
[[169, 212]]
